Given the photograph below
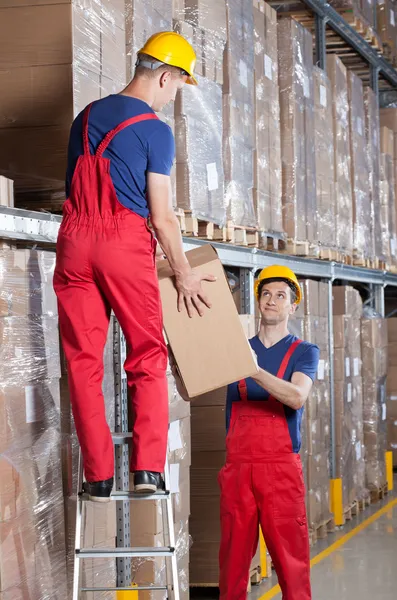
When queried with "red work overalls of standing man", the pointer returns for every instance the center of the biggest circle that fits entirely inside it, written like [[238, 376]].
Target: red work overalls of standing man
[[262, 481], [119, 162]]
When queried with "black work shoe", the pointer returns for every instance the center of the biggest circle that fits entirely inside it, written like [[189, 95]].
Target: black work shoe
[[147, 482], [98, 491]]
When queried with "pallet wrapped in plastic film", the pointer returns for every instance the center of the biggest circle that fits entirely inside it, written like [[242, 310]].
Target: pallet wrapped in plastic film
[[325, 171], [337, 73], [348, 390], [267, 155], [358, 13], [362, 226], [238, 113], [56, 58], [391, 388], [374, 348], [387, 190], [372, 132], [310, 323], [295, 61], [32, 534]]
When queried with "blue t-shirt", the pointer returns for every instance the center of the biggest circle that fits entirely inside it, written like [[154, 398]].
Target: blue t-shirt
[[304, 360], [136, 150]]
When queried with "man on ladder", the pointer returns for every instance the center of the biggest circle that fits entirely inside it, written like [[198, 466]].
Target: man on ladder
[[119, 162], [262, 481]]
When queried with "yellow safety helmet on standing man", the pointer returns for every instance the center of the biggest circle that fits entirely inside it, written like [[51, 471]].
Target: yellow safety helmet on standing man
[[279, 272], [170, 48]]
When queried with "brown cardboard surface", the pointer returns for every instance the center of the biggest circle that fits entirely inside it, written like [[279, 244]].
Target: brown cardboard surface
[[208, 428], [211, 351], [392, 329], [374, 333], [346, 301]]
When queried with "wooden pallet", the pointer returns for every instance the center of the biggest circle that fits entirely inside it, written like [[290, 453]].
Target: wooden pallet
[[297, 248], [351, 511], [379, 493], [320, 531], [272, 242], [363, 503], [192, 226]]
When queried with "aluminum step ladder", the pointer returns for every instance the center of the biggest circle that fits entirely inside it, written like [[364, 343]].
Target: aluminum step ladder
[[124, 553]]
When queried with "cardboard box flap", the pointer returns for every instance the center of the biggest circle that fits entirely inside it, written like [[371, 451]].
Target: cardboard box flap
[[211, 351]]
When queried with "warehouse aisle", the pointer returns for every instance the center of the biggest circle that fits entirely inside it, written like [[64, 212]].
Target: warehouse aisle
[[356, 562]]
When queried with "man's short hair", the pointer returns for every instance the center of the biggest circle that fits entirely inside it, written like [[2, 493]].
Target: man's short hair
[[294, 295], [142, 71]]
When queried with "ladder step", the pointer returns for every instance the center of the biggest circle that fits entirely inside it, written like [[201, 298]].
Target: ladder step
[[121, 438], [160, 495], [123, 552], [138, 588]]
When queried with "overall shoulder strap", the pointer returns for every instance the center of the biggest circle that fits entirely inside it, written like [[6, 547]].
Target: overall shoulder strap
[[110, 135], [86, 143]]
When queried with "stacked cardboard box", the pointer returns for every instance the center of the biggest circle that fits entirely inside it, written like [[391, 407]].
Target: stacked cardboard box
[[6, 192], [238, 112], [391, 410], [324, 155], [147, 525], [295, 58], [310, 323], [350, 466], [208, 457], [267, 155], [387, 27], [374, 357], [56, 57], [362, 226], [32, 537], [198, 131], [372, 131], [387, 196], [353, 10], [337, 73]]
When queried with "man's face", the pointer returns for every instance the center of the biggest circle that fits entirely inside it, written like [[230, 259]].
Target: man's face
[[275, 303], [169, 85]]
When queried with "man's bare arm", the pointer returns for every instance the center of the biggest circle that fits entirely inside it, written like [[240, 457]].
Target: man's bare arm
[[166, 226], [293, 394]]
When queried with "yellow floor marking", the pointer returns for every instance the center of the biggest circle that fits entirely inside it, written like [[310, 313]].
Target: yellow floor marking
[[338, 544]]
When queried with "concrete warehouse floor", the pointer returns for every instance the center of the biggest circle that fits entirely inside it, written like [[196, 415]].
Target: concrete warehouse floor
[[356, 562]]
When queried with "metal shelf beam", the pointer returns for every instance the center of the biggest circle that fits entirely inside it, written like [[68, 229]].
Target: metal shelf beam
[[353, 38]]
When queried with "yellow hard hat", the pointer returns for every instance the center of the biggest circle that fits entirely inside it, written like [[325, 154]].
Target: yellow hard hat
[[172, 49], [278, 272]]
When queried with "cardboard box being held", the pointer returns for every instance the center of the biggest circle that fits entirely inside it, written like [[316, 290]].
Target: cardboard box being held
[[211, 351]]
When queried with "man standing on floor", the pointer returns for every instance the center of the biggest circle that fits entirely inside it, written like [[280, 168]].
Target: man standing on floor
[[262, 481], [119, 162]]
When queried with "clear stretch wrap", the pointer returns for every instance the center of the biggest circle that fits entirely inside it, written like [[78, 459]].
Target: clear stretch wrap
[[372, 131], [348, 389], [387, 195], [324, 155], [364, 10], [311, 324], [374, 355], [32, 534], [340, 111], [386, 17], [360, 192], [388, 118], [199, 167], [55, 58], [238, 113], [295, 60], [391, 412], [267, 155]]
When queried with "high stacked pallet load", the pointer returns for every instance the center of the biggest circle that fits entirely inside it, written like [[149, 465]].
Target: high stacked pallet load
[[267, 155], [6, 192], [337, 73], [56, 57], [362, 214], [372, 132], [360, 14], [374, 356], [295, 45], [325, 169], [238, 113], [208, 457], [387, 27], [311, 324], [147, 525], [350, 465], [391, 409], [387, 197], [200, 185], [32, 534]]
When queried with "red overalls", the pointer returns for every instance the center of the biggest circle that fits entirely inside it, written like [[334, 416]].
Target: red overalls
[[106, 260], [262, 483]]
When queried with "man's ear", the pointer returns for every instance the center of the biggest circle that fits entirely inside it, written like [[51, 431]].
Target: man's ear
[[294, 308], [164, 78]]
